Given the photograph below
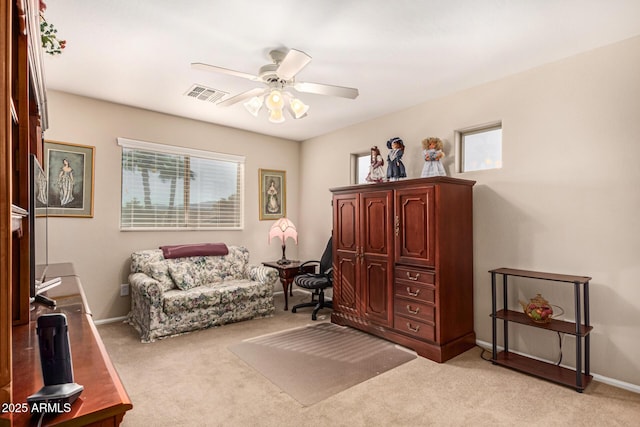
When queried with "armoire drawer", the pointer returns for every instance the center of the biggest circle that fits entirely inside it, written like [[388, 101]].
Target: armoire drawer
[[421, 330], [412, 308], [415, 275], [419, 293]]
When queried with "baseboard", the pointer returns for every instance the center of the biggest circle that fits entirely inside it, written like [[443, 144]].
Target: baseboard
[[111, 320], [600, 378]]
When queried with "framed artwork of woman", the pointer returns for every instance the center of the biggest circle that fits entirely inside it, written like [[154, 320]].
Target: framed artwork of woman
[[273, 194], [69, 170]]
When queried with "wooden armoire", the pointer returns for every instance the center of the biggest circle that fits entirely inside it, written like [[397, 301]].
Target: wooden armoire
[[403, 263]]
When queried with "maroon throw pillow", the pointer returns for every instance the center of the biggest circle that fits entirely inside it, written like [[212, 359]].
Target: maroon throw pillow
[[196, 249]]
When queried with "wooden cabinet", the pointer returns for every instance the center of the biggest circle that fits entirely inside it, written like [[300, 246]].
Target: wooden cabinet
[[403, 263]]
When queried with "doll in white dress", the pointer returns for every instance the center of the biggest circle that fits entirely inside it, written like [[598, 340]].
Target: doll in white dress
[[432, 153]]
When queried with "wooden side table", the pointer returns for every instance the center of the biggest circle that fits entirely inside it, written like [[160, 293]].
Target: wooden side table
[[577, 378], [287, 273]]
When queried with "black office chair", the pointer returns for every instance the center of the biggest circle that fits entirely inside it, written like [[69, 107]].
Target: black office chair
[[318, 282]]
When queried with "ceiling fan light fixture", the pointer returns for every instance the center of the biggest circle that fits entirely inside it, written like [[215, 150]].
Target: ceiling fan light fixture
[[254, 104], [278, 76], [276, 116], [299, 109], [275, 100]]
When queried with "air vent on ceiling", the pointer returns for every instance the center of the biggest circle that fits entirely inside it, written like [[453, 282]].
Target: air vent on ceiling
[[204, 93]]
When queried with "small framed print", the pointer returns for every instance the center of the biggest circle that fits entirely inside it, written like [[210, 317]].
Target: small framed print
[[69, 170], [273, 194]]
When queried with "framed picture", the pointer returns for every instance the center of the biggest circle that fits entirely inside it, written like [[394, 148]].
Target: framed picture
[[69, 169], [273, 194]]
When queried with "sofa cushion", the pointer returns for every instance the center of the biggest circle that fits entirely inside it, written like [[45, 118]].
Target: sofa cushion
[[182, 274], [219, 296], [159, 270]]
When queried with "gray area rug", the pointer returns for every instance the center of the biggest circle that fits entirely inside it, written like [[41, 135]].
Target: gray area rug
[[317, 361]]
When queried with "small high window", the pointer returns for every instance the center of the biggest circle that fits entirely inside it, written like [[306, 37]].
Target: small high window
[[360, 167], [480, 148]]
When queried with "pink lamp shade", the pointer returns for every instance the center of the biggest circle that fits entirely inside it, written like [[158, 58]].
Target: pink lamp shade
[[284, 229]]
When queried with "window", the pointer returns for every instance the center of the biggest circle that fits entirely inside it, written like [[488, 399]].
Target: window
[[166, 187], [481, 148], [362, 162]]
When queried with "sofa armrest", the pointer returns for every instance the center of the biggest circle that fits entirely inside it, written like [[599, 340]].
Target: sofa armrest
[[262, 274], [146, 286]]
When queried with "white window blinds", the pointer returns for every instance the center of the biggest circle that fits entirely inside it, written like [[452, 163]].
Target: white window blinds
[[167, 187]]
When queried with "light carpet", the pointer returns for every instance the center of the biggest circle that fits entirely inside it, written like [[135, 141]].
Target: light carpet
[[317, 361]]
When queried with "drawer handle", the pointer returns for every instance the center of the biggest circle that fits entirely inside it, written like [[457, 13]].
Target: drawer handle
[[411, 293], [412, 278], [412, 329], [411, 311]]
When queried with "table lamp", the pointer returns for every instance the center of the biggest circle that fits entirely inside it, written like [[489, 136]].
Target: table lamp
[[283, 228]]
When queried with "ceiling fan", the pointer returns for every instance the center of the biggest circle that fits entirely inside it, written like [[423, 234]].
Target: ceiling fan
[[278, 77]]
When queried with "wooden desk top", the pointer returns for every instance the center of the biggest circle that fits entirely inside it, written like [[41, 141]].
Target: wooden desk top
[[103, 397]]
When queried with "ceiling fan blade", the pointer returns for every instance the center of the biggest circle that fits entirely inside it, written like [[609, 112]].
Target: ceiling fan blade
[[242, 96], [324, 89], [207, 67], [292, 64]]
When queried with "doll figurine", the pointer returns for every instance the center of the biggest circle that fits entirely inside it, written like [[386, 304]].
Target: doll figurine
[[395, 167], [376, 168], [432, 152]]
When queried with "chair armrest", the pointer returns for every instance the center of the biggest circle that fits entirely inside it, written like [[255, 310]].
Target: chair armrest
[[307, 263], [146, 286], [262, 274]]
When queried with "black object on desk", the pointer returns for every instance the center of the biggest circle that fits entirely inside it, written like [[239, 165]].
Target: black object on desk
[[57, 367]]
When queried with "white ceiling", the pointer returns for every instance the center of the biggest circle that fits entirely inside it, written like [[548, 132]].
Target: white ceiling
[[397, 53]]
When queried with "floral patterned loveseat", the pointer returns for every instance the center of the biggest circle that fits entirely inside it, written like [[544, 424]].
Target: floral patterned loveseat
[[177, 295]]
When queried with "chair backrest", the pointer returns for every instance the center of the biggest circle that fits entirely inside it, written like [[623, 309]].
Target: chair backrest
[[327, 258]]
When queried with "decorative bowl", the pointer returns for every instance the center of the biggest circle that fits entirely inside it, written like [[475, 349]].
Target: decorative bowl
[[538, 309]]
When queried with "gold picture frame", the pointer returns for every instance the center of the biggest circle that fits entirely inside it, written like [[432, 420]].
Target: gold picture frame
[[273, 194], [70, 174]]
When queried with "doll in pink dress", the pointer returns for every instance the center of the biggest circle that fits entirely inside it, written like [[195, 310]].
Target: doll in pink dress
[[376, 168]]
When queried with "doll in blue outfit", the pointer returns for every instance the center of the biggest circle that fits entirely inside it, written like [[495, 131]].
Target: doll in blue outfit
[[395, 167], [432, 153]]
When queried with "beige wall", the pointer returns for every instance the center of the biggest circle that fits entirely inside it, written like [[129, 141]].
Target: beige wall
[[566, 200], [97, 247]]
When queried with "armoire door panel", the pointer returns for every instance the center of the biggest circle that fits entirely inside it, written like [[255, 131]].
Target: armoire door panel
[[415, 225], [345, 285], [377, 298], [376, 223], [346, 222]]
